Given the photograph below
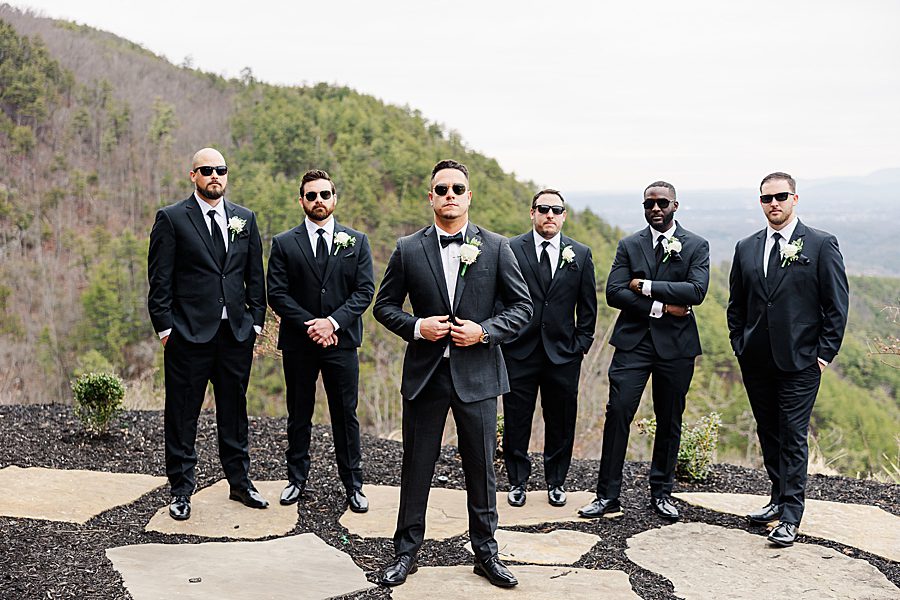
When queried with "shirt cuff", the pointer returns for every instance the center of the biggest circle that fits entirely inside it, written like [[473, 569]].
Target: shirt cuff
[[257, 329], [417, 332], [822, 362], [333, 322], [645, 288], [656, 311], [165, 333]]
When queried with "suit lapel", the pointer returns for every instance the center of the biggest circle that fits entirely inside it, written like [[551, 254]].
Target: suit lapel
[[758, 250], [799, 232], [302, 237], [433, 256], [561, 267], [472, 231], [663, 266], [333, 258], [199, 221], [528, 248], [229, 212], [646, 242]]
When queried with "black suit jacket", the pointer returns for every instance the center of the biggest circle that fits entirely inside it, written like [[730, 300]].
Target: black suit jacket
[[801, 314], [298, 292], [572, 291], [683, 279], [187, 285], [415, 270]]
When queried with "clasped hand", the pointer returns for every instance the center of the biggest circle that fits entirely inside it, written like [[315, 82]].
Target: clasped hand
[[321, 331], [462, 333]]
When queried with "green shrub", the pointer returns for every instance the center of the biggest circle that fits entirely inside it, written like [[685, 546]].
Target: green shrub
[[98, 400], [698, 446]]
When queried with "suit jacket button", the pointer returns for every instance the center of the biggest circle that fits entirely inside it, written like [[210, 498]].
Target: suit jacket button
[[769, 304], [221, 300], [546, 304], [223, 275], [323, 290]]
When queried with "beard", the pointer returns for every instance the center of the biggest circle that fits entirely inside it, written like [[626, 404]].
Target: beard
[[212, 193], [318, 212]]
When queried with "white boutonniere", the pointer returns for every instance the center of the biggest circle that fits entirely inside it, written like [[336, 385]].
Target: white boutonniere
[[236, 226], [673, 247], [342, 240], [567, 256], [468, 254], [791, 252]]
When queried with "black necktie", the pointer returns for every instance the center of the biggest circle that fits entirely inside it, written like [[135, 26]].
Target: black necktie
[[546, 271], [218, 242], [456, 238], [774, 257], [660, 251], [321, 251]]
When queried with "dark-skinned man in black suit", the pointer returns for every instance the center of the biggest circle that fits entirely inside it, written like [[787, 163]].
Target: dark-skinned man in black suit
[[207, 304], [320, 282], [658, 274], [453, 273], [546, 355], [787, 311]]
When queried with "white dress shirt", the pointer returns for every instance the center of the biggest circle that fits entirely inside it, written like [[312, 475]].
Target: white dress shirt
[[450, 261], [552, 249], [656, 310], [313, 231], [785, 232]]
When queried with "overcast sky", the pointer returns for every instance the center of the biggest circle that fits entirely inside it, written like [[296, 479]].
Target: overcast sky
[[576, 95]]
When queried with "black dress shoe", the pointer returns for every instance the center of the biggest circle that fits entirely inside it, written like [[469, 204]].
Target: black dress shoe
[[495, 572], [784, 535], [664, 508], [357, 501], [249, 497], [556, 496], [600, 507], [768, 513], [292, 493], [396, 572], [516, 495], [180, 508]]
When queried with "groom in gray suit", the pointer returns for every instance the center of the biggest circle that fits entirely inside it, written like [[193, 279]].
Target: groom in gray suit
[[453, 273]]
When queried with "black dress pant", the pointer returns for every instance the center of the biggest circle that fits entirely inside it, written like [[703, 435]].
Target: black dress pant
[[628, 375], [340, 376], [423, 426], [189, 367], [782, 403], [558, 385]]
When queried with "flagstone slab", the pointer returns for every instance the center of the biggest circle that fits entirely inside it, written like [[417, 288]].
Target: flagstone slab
[[460, 583], [560, 547], [70, 496], [868, 528], [447, 517], [707, 561], [214, 515], [292, 568]]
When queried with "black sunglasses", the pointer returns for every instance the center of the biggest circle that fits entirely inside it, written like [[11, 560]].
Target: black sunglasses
[[780, 196], [441, 189], [545, 208], [310, 196], [660, 202], [207, 171]]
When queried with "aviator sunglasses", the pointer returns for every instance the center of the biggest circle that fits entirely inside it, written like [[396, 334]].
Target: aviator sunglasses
[[545, 208], [207, 171], [310, 196], [441, 189], [660, 202], [780, 196]]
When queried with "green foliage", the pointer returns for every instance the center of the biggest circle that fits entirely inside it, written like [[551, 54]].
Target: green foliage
[[98, 400], [91, 362], [698, 446]]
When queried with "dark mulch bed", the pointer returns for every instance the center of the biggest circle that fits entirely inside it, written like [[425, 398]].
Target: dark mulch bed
[[42, 559]]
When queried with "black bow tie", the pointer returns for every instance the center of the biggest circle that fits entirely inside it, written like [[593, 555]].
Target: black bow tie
[[446, 240]]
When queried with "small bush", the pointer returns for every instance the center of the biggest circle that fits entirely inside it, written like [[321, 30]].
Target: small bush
[[98, 400], [698, 446]]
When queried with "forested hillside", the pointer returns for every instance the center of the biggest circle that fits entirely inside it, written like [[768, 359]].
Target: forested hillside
[[96, 133]]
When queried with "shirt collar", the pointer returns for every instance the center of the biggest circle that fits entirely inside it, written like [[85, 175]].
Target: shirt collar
[[205, 206], [654, 234], [442, 232], [312, 228], [786, 232], [554, 241]]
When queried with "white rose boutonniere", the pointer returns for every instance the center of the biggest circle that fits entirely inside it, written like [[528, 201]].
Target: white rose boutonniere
[[343, 240], [567, 256], [791, 252], [236, 226], [673, 247], [468, 254]]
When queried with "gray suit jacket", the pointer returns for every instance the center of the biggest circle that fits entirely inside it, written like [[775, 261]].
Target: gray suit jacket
[[415, 270]]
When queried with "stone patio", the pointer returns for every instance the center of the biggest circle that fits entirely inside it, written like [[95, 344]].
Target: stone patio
[[560, 547]]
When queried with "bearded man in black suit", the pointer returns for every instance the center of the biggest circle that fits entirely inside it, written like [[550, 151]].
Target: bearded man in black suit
[[658, 274], [453, 272], [787, 311], [320, 282], [207, 302], [547, 353]]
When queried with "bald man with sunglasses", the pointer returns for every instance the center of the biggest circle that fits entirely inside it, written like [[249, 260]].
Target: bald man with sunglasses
[[657, 275]]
